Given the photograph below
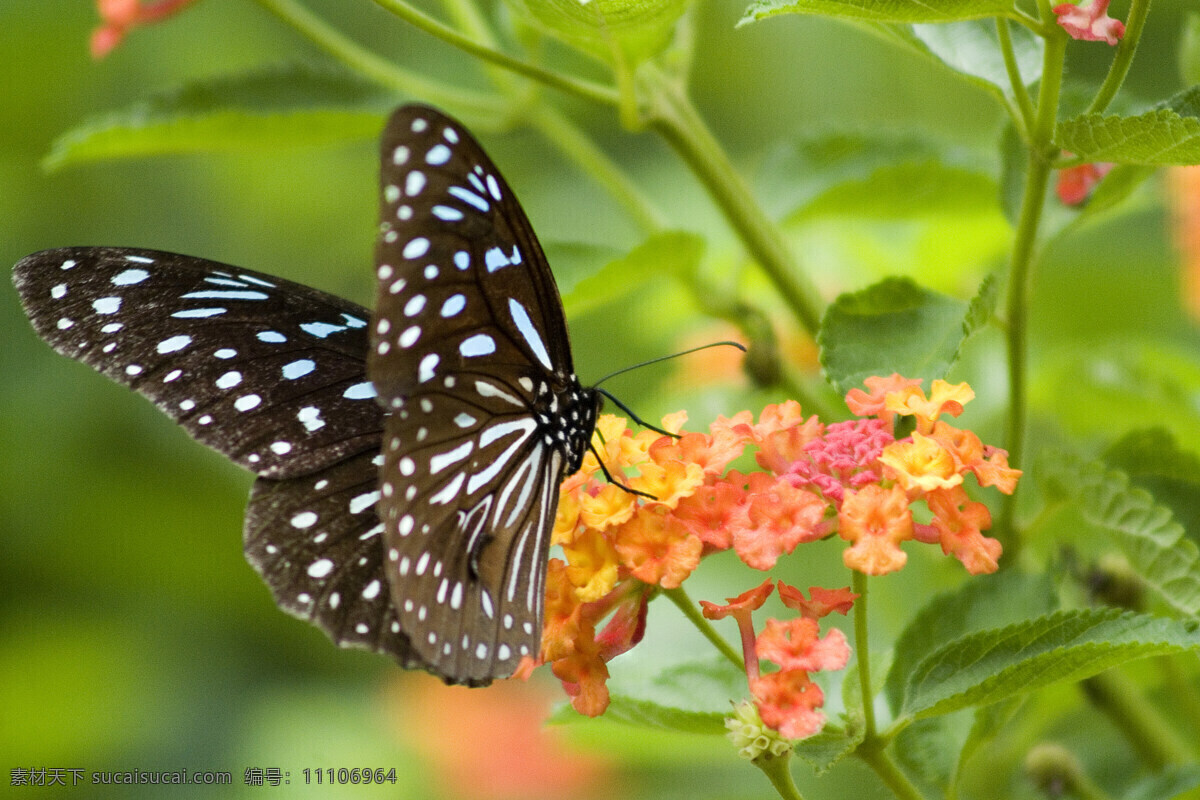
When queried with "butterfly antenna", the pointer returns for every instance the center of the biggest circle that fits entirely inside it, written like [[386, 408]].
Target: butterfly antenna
[[622, 371]]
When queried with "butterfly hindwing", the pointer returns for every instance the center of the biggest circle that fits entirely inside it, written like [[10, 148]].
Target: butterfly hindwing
[[268, 372]]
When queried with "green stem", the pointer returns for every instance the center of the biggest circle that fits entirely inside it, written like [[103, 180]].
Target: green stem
[[779, 773], [1037, 177], [1020, 94], [872, 753], [862, 651], [684, 603], [1145, 730], [363, 61], [419, 19], [673, 116], [1138, 10]]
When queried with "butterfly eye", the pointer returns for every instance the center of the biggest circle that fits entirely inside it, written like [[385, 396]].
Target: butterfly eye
[[408, 459]]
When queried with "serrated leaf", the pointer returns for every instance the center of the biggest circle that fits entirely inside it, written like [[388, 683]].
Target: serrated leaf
[[1166, 135], [982, 305], [665, 254], [983, 603], [639, 28], [1146, 533], [893, 326], [995, 665], [882, 10], [274, 108]]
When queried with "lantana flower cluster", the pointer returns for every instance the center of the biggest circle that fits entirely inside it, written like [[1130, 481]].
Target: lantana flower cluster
[[853, 479]]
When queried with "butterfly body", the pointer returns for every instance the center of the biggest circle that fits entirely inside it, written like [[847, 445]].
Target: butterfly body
[[408, 458]]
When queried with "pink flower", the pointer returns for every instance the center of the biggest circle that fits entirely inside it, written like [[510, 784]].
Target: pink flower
[[1090, 24]]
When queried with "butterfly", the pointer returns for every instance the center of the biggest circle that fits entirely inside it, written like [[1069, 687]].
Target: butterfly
[[408, 459]]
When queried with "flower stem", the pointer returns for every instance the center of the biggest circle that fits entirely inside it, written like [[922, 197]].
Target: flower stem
[[684, 603], [1138, 10], [862, 651], [673, 116], [872, 753], [779, 773], [1037, 177]]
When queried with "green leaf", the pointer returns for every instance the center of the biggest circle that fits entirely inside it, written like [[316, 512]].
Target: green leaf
[[289, 106], [664, 254], [882, 10], [1167, 135], [999, 664], [986, 602], [893, 326], [1151, 540], [639, 28]]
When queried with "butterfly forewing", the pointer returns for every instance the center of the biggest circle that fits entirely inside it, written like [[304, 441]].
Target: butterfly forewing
[[469, 352], [267, 372]]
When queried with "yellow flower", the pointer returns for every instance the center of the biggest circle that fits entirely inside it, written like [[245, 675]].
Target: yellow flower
[[921, 464]]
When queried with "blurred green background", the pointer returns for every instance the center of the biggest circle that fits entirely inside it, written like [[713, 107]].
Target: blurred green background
[[132, 633]]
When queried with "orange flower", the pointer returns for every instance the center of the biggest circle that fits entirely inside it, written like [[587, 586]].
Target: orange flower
[[788, 702], [960, 523], [779, 517], [876, 520], [824, 601], [797, 644], [566, 518], [874, 403], [712, 513], [657, 548]]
